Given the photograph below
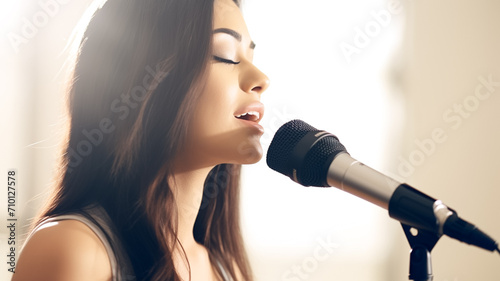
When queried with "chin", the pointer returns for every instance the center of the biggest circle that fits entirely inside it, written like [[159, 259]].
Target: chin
[[249, 152]]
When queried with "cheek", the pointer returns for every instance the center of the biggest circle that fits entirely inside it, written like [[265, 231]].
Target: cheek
[[215, 133], [217, 104]]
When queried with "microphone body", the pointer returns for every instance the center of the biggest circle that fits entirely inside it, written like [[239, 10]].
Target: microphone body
[[312, 157], [352, 176]]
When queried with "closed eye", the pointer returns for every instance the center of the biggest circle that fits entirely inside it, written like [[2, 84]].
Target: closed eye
[[219, 59]]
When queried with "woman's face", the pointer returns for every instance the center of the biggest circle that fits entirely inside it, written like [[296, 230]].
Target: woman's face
[[225, 126]]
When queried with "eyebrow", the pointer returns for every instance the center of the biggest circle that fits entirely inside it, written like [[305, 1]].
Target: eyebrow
[[233, 33]]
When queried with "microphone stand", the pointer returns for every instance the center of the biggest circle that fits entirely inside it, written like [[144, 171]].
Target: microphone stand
[[420, 254]]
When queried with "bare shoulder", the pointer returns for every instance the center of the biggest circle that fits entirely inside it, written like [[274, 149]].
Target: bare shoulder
[[65, 250]]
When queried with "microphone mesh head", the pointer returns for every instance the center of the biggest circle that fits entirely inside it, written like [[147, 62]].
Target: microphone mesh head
[[279, 155], [312, 169]]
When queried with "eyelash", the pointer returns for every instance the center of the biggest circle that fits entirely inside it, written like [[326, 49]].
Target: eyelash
[[219, 59]]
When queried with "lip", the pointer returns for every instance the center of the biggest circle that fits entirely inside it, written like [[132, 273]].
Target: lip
[[253, 124], [253, 107]]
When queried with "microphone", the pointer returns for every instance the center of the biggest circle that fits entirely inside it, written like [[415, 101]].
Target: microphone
[[312, 157]]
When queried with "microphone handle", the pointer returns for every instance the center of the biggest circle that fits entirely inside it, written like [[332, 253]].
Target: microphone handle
[[404, 203], [354, 177]]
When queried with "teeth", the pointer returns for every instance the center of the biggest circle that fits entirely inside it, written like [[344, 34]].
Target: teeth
[[254, 113]]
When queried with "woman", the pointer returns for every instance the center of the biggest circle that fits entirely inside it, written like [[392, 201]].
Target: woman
[[164, 106]]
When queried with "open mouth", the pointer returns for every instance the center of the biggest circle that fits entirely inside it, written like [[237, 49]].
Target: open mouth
[[253, 116]]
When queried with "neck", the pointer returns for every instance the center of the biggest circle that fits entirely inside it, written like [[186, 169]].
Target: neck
[[188, 191]]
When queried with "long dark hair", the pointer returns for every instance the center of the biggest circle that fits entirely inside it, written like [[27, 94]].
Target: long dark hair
[[138, 73]]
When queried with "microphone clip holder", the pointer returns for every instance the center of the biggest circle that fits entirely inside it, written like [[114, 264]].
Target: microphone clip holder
[[422, 242]]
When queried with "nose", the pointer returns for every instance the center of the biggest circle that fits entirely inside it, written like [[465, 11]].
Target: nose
[[252, 80]]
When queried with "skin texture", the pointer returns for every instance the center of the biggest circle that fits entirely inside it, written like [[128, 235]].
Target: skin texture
[[69, 250]]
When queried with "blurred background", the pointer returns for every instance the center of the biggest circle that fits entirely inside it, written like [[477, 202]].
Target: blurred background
[[411, 88]]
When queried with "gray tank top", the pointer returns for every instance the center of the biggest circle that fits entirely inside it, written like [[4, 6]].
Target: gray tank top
[[100, 224]]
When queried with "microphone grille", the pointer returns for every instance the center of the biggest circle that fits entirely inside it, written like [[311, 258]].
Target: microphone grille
[[304, 159], [279, 155]]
